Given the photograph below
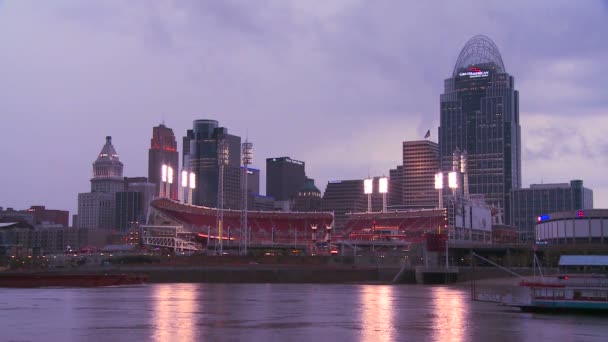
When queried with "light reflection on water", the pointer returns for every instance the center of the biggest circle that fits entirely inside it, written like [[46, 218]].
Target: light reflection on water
[[450, 314], [281, 312], [174, 312], [377, 313]]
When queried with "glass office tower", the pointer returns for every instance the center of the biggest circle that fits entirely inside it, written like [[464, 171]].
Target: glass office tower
[[480, 115]]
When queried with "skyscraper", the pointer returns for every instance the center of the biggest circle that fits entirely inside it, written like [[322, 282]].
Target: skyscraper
[[96, 208], [163, 150], [344, 196], [480, 116], [420, 163], [201, 157], [284, 177], [132, 204]]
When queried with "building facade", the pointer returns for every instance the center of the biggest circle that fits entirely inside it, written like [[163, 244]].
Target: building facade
[[420, 164], [308, 198], [201, 157], [129, 210], [284, 177], [163, 151], [480, 116], [539, 199], [395, 188], [96, 208], [582, 227], [341, 197], [36, 216]]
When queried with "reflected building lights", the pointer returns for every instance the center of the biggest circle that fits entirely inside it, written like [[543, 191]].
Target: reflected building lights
[[450, 316], [377, 317], [175, 312]]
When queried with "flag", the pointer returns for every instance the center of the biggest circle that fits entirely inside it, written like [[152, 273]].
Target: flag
[[428, 134]]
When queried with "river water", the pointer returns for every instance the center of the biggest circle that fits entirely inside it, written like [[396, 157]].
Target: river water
[[277, 312]]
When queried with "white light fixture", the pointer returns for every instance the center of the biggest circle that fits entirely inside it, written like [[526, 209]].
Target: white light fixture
[[184, 179], [368, 186], [192, 180], [383, 185], [439, 180], [453, 180], [163, 172]]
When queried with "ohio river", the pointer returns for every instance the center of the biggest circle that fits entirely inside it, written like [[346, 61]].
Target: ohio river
[[277, 312]]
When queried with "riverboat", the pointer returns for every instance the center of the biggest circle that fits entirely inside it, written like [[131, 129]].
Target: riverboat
[[567, 293], [29, 280]]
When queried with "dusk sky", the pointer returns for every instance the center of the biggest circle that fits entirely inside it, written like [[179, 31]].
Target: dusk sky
[[338, 84]]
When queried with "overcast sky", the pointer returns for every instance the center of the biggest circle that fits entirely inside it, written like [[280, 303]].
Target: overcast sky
[[338, 84]]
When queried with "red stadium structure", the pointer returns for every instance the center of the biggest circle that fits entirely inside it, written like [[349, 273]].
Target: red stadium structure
[[266, 227], [394, 227]]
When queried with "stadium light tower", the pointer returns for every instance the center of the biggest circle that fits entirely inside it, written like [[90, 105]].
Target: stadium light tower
[[166, 180], [188, 186], [439, 188], [222, 160], [383, 189], [368, 188], [246, 159], [163, 180], [453, 181]]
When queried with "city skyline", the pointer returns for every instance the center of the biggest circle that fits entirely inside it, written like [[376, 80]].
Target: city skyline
[[340, 88]]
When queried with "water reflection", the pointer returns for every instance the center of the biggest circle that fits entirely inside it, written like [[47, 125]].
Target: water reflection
[[377, 313], [450, 314], [174, 312]]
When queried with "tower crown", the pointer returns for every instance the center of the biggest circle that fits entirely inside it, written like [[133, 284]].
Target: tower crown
[[479, 51], [107, 164]]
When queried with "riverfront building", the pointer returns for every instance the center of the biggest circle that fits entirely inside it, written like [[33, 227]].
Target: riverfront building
[[163, 151], [573, 227], [530, 203], [480, 116], [201, 157]]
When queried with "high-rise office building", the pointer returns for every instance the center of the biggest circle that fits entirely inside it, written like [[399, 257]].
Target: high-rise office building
[[420, 164], [96, 208], [480, 116], [201, 157], [395, 187], [163, 151], [341, 197], [284, 177], [540, 199], [132, 205], [253, 180]]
